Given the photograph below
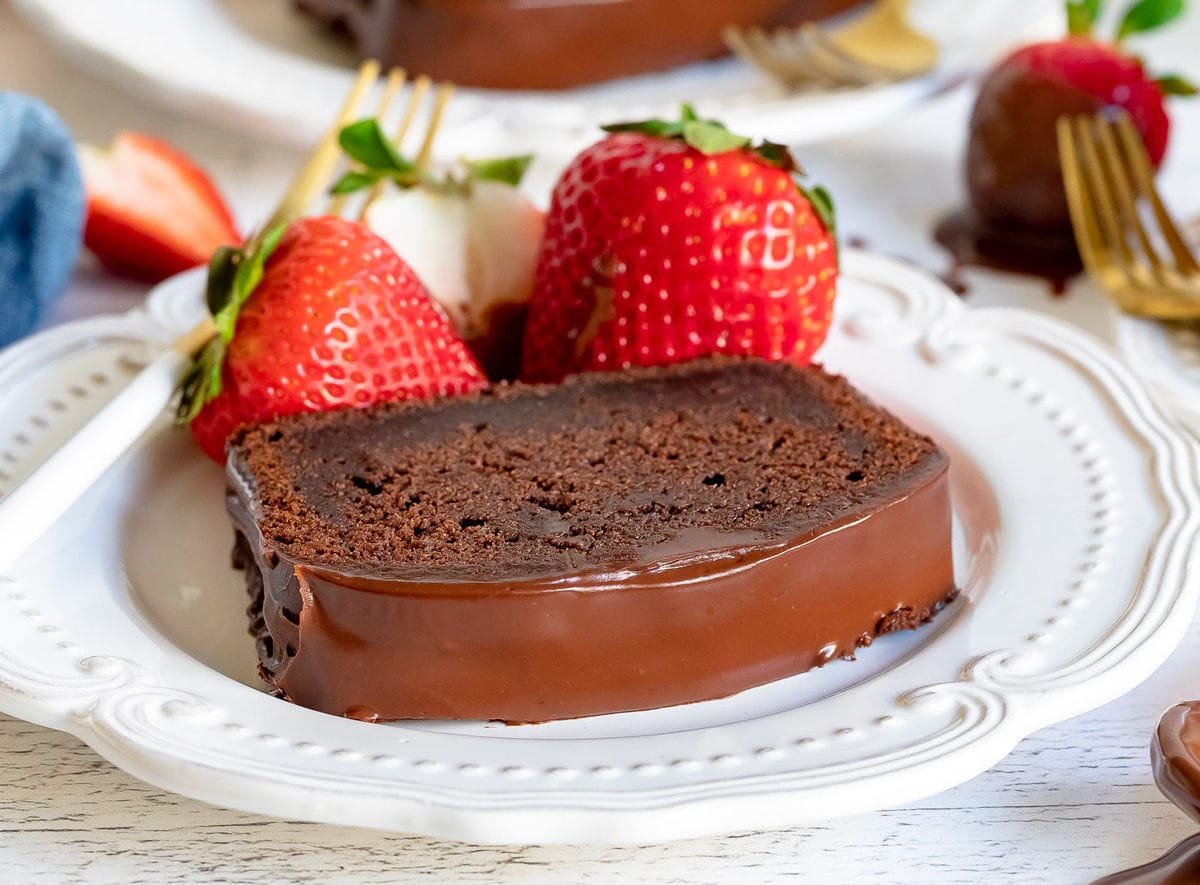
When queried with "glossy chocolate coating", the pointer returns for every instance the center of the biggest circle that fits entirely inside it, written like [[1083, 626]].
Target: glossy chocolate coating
[[1017, 219], [1175, 756], [1013, 174], [718, 615], [553, 44], [1175, 761]]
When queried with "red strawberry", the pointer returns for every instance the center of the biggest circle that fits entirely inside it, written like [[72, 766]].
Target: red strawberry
[[1013, 171], [151, 211], [1104, 71], [337, 319], [668, 241]]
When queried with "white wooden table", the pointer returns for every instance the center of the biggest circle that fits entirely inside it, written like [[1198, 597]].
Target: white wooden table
[[1070, 803]]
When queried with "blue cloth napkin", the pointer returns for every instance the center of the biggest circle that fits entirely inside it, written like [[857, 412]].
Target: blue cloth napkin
[[42, 208]]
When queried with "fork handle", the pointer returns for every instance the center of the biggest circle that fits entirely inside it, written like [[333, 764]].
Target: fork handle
[[32, 507]]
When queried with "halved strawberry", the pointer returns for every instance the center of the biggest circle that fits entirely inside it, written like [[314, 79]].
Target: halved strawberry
[[152, 212], [336, 319]]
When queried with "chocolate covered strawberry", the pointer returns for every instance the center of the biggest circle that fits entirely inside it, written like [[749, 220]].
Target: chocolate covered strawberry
[[152, 212], [322, 316], [670, 240], [1013, 172]]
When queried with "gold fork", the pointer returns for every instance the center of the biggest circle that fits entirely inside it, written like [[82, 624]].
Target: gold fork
[[1145, 266], [46, 493], [878, 47]]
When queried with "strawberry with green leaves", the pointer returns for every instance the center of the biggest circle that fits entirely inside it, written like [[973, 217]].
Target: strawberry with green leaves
[[1013, 171], [671, 240], [318, 316]]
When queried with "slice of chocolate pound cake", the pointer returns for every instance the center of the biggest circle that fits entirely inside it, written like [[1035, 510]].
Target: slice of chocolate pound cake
[[622, 541]]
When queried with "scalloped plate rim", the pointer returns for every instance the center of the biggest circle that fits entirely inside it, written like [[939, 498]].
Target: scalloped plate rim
[[541, 820]]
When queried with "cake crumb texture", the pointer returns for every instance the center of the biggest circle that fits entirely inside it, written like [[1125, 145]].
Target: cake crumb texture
[[529, 480]]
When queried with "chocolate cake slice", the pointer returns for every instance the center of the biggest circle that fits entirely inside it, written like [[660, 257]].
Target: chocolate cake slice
[[622, 541]]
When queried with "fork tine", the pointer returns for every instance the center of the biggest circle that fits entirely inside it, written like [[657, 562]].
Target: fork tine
[[1132, 285], [792, 58], [395, 82], [758, 49], [391, 88], [441, 98], [827, 63], [737, 39], [385, 102], [1139, 161], [764, 46], [312, 176], [840, 64], [797, 52], [815, 57], [1102, 136], [1100, 188], [421, 88], [1083, 213]]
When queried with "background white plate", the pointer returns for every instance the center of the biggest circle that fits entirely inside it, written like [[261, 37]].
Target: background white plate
[[1077, 511], [1167, 356], [257, 66]]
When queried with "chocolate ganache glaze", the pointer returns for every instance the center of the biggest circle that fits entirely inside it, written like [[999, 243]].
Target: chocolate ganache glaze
[[623, 541], [550, 44]]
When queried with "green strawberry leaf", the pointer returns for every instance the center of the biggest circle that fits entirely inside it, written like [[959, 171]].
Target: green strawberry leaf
[[1082, 16], [203, 381], [1173, 84], [376, 157], [656, 127], [707, 136], [1146, 15], [246, 279], [710, 137], [233, 275], [822, 202], [352, 182], [222, 268], [777, 155], [365, 142], [507, 170]]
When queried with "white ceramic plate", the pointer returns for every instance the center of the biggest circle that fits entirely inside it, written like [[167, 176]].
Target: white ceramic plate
[[255, 65], [1077, 511], [1167, 356]]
